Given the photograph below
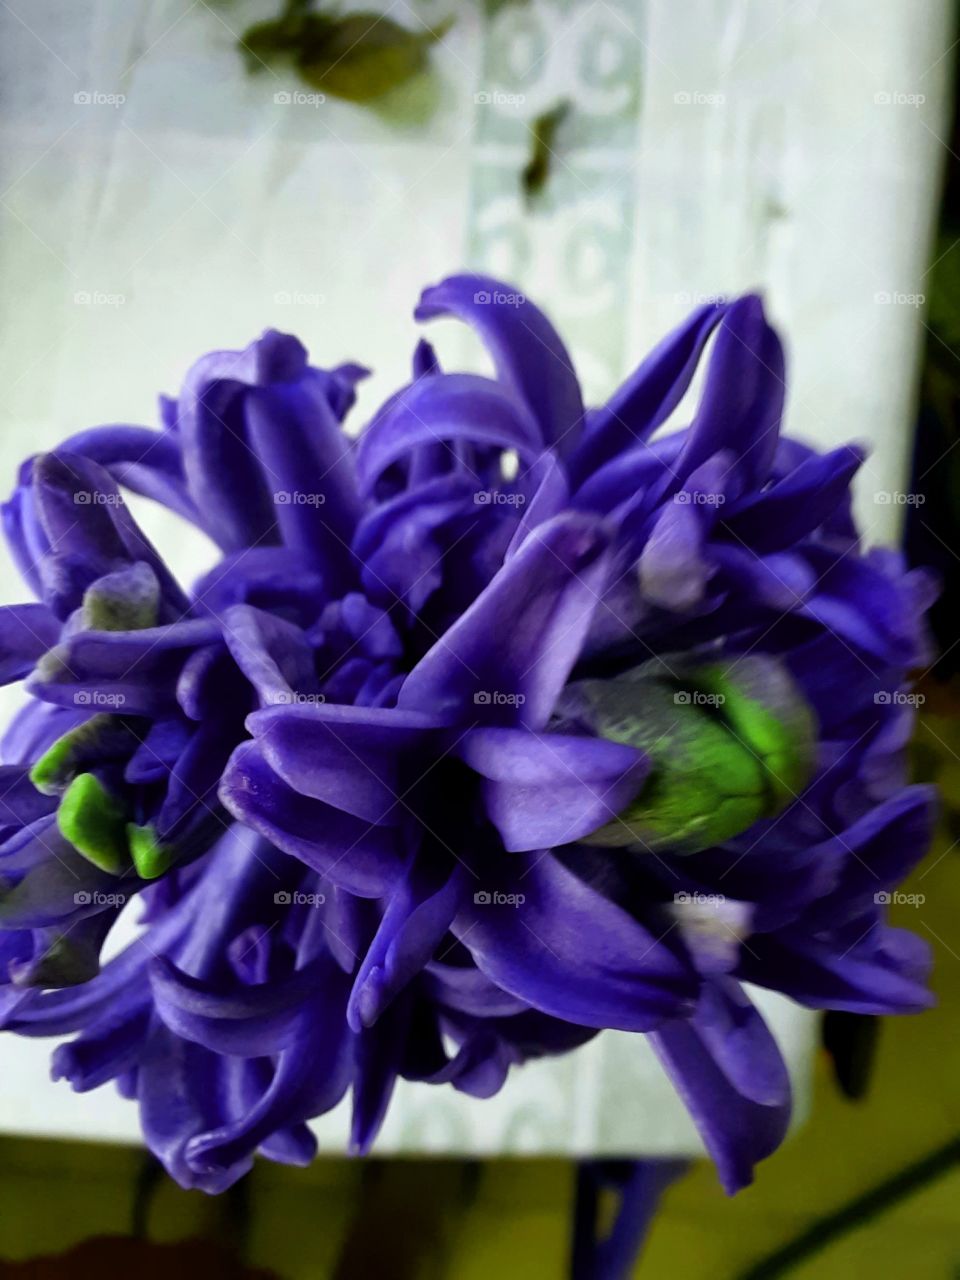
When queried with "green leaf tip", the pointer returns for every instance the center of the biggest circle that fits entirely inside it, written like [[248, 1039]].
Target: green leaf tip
[[124, 601], [151, 857], [730, 743], [102, 737], [92, 820]]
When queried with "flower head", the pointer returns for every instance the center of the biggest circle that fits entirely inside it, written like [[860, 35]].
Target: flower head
[[503, 724]]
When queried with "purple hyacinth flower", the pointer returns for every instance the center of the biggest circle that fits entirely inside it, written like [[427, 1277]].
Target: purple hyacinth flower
[[501, 724]]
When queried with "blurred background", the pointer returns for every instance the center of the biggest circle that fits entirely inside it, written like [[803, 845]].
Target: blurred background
[[177, 176]]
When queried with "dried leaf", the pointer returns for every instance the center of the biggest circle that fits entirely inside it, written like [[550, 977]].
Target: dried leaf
[[282, 37], [544, 130], [362, 56]]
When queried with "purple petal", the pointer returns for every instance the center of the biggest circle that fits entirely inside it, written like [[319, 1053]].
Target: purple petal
[[417, 916], [509, 655], [571, 952], [181, 1088], [444, 409], [311, 1077], [351, 762], [223, 474], [356, 855], [249, 1021], [873, 970], [145, 461], [27, 631], [553, 789], [90, 531], [878, 851], [528, 354], [649, 395], [272, 578], [673, 572], [743, 396], [469, 991], [784, 514], [132, 671], [272, 653], [20, 801], [308, 463], [728, 1070], [550, 497]]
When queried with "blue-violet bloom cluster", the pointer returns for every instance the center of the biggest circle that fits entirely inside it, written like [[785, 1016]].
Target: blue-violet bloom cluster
[[496, 724]]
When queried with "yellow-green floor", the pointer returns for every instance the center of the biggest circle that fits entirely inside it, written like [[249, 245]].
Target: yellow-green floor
[[511, 1218], [913, 1106]]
